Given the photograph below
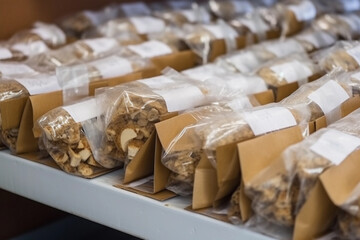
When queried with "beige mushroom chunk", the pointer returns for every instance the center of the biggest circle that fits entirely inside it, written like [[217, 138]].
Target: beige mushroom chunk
[[126, 135], [75, 158]]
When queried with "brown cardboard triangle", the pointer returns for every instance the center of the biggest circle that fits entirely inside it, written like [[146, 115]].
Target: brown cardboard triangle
[[11, 112]]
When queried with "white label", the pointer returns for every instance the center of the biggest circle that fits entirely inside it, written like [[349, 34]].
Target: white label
[[135, 9], [239, 104], [245, 84], [189, 15], [184, 97], [335, 145], [355, 53], [50, 33], [351, 5], [150, 49], [94, 17], [304, 11], [268, 120], [352, 20], [8, 69], [221, 32], [204, 72], [242, 6], [30, 49], [157, 82], [245, 61], [40, 84], [284, 48], [145, 25], [100, 45], [113, 66], [255, 26], [292, 71], [83, 111], [329, 96], [5, 53], [319, 39]]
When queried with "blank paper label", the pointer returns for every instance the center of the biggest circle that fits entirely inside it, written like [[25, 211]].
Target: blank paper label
[[318, 39], [304, 11], [40, 84], [204, 72], [245, 61], [83, 111], [355, 53], [151, 49], [284, 48], [50, 33], [146, 25], [31, 49], [157, 82], [182, 98], [113, 66], [268, 120], [335, 145], [8, 69], [292, 71], [329, 96], [100, 45], [5, 53]]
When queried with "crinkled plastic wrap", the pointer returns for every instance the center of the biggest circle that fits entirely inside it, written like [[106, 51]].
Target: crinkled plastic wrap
[[251, 58], [234, 212], [293, 68], [343, 54], [184, 16], [346, 26], [199, 37], [183, 160], [78, 23], [65, 140], [312, 39], [244, 125], [279, 193], [52, 35], [79, 51], [337, 86], [230, 9], [132, 109]]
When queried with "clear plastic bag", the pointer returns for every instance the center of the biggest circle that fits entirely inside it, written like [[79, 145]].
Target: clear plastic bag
[[50, 34], [184, 16], [182, 160], [234, 212], [230, 9], [206, 71], [199, 37], [150, 49], [346, 26], [343, 54], [293, 68], [278, 193], [336, 86], [132, 109], [66, 142], [312, 39], [244, 125]]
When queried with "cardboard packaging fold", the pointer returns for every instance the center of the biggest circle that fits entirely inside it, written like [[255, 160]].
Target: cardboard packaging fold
[[23, 113]]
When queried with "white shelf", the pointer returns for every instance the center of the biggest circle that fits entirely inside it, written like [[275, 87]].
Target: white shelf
[[99, 201]]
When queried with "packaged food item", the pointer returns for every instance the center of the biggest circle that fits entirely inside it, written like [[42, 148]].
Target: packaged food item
[[293, 68], [250, 59], [296, 14], [65, 140], [312, 39], [343, 54], [50, 34], [229, 9], [280, 190], [23, 86], [80, 22], [137, 25], [9, 69], [346, 26], [183, 154], [8, 54], [198, 37], [240, 126], [29, 49], [132, 109], [316, 95]]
